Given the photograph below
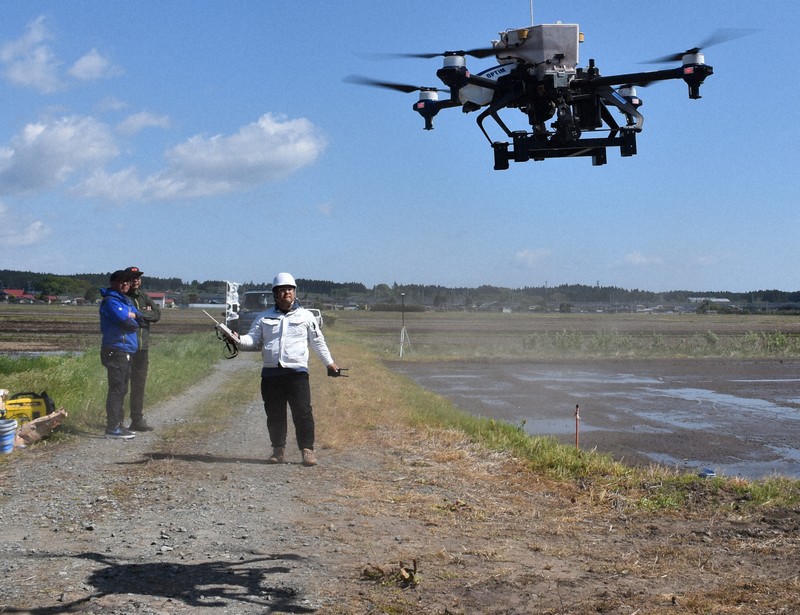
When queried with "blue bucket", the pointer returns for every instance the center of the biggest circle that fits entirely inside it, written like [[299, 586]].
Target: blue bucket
[[8, 429]]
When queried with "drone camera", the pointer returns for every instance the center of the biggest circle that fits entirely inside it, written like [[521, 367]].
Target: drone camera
[[599, 157], [500, 155], [521, 153]]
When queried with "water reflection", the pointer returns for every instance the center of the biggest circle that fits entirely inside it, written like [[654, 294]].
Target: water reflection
[[740, 418]]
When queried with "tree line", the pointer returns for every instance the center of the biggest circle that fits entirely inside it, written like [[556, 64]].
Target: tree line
[[87, 285]]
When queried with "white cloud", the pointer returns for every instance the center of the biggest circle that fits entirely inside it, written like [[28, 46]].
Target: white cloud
[[325, 209], [125, 185], [710, 259], [531, 257], [13, 234], [29, 62], [639, 259], [139, 121], [45, 154], [93, 66], [266, 150], [110, 104]]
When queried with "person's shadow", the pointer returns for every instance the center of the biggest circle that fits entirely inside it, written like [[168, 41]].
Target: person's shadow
[[209, 584]]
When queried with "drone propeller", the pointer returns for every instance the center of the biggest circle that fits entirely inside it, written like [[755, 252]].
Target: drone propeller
[[720, 36], [400, 87], [480, 53]]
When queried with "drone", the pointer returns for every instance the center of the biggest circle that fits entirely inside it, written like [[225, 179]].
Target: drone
[[538, 74]]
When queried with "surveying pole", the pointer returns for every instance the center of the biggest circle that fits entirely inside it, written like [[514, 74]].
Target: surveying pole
[[404, 339]]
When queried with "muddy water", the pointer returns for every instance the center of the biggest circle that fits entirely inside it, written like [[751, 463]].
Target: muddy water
[[738, 418]]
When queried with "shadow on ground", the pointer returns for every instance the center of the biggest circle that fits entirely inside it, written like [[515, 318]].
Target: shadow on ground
[[210, 584], [201, 458]]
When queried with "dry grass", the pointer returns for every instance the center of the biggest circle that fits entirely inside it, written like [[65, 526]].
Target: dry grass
[[484, 526], [492, 336]]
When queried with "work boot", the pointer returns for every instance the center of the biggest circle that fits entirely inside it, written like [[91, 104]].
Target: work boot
[[309, 459], [277, 456], [140, 425]]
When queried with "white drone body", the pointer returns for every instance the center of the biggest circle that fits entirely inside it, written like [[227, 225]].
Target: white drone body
[[547, 49]]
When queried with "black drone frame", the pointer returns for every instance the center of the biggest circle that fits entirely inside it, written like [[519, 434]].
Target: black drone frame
[[579, 104], [563, 106]]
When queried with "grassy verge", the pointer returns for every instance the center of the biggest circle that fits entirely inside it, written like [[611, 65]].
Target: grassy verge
[[376, 398], [78, 382]]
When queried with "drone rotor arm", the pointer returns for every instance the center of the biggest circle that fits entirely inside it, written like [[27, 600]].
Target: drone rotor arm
[[638, 79], [692, 73], [482, 82]]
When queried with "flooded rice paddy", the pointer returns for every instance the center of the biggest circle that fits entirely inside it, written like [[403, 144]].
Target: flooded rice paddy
[[738, 417]]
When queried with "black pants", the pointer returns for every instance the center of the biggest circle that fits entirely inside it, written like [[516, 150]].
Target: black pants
[[118, 366], [139, 364], [280, 386]]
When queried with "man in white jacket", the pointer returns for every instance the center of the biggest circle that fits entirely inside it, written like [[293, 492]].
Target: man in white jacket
[[283, 333]]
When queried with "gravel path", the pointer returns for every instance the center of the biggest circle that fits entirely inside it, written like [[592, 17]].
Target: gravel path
[[112, 526]]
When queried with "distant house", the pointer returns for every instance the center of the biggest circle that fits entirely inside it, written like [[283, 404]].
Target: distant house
[[17, 295], [709, 299], [162, 300]]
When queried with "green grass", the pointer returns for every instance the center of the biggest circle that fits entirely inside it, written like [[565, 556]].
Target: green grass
[[78, 382]]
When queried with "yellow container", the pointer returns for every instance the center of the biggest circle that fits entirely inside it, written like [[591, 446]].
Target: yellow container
[[26, 407]]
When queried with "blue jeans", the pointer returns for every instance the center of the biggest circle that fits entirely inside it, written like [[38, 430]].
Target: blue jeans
[[279, 387]]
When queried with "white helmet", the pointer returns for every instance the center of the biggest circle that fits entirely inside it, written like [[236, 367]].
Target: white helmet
[[284, 279]]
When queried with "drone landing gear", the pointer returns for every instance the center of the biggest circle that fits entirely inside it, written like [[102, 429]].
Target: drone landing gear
[[531, 147]]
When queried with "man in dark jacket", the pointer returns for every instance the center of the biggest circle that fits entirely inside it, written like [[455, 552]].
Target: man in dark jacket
[[118, 325], [140, 362]]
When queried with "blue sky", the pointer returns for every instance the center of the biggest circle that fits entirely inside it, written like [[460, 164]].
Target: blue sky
[[218, 140]]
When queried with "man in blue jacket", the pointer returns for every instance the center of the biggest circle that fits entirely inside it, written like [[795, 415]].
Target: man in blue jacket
[[119, 323]]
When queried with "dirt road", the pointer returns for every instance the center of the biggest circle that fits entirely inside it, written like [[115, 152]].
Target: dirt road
[[143, 527]]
